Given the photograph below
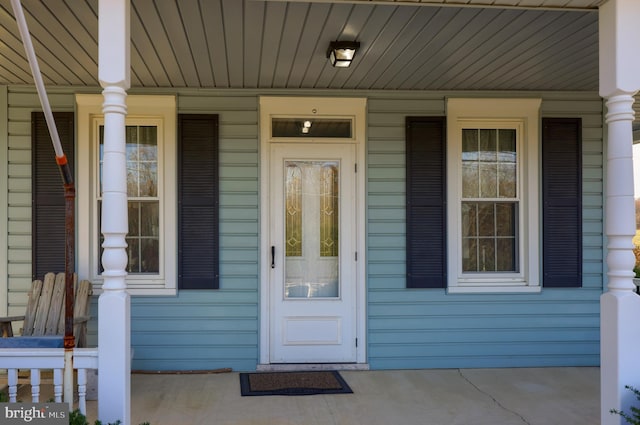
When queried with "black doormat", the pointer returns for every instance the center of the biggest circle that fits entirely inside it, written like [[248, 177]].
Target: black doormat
[[293, 383]]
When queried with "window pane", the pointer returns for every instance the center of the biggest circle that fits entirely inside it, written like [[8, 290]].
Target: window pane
[[506, 219], [506, 255], [311, 127], [507, 168], [149, 254], [507, 146], [486, 255], [149, 219], [470, 179], [133, 251], [469, 145], [133, 211], [131, 137], [489, 232], [142, 161], [132, 178], [486, 219], [488, 180], [148, 179], [507, 180], [469, 219], [143, 237], [469, 254], [488, 144]]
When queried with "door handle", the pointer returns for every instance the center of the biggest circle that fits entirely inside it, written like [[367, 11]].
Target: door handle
[[273, 257]]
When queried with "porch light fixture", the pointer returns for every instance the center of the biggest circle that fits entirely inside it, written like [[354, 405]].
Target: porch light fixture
[[341, 53]]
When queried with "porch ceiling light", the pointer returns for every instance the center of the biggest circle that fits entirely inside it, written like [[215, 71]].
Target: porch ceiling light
[[341, 53]]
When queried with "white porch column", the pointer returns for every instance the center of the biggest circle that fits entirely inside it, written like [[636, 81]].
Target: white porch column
[[619, 306], [114, 321]]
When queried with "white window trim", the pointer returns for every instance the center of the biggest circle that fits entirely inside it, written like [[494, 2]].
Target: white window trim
[[523, 114], [150, 108]]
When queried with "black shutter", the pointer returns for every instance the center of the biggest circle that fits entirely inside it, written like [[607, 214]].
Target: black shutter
[[562, 202], [198, 245], [426, 212], [47, 203]]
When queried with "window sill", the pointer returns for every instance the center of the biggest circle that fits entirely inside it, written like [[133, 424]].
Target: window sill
[[493, 289]]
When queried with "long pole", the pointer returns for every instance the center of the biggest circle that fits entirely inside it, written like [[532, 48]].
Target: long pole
[[69, 196]]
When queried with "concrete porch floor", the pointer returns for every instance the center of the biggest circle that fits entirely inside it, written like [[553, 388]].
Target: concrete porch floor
[[540, 396]]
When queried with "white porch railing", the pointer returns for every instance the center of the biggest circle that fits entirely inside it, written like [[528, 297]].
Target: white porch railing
[[37, 359]]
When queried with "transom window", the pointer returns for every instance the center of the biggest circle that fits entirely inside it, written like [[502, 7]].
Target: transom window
[[312, 127]]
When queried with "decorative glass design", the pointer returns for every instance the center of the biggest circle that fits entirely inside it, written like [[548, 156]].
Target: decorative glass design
[[490, 200], [329, 211], [293, 211], [311, 229], [143, 237]]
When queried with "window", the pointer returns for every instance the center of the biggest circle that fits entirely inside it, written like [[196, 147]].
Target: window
[[151, 175], [489, 204], [143, 238], [492, 197], [312, 127]]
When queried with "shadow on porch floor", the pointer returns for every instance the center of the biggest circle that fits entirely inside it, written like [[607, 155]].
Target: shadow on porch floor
[[541, 396]]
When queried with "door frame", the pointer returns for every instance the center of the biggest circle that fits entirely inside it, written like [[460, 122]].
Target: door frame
[[333, 107]]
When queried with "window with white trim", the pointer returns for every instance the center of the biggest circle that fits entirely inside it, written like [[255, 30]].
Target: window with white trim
[[151, 190], [492, 196]]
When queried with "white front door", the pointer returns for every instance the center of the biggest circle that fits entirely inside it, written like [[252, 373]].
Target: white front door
[[313, 248]]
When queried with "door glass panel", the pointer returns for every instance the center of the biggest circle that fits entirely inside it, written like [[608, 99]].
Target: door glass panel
[[312, 229]]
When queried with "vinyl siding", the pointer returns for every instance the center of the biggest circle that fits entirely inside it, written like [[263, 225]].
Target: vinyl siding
[[4, 288], [427, 328], [211, 329], [416, 328], [21, 102]]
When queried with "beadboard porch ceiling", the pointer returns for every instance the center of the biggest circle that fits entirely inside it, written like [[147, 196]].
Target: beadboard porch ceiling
[[405, 44]]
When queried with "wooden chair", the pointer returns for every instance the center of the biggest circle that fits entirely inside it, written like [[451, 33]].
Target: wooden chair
[[45, 309]]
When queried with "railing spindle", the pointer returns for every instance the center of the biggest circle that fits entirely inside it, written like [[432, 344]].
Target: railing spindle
[[12, 378], [57, 385], [35, 385], [82, 390]]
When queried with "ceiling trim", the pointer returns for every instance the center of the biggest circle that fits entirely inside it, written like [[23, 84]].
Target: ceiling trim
[[439, 3]]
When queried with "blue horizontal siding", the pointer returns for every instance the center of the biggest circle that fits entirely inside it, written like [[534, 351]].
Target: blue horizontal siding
[[428, 328], [201, 330]]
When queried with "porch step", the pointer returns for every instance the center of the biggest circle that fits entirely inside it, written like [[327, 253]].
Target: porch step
[[297, 367]]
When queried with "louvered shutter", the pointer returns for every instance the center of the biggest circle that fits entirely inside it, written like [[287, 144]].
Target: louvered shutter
[[48, 211], [562, 202], [426, 213], [198, 245]]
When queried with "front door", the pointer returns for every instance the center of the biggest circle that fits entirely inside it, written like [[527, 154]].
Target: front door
[[313, 244]]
